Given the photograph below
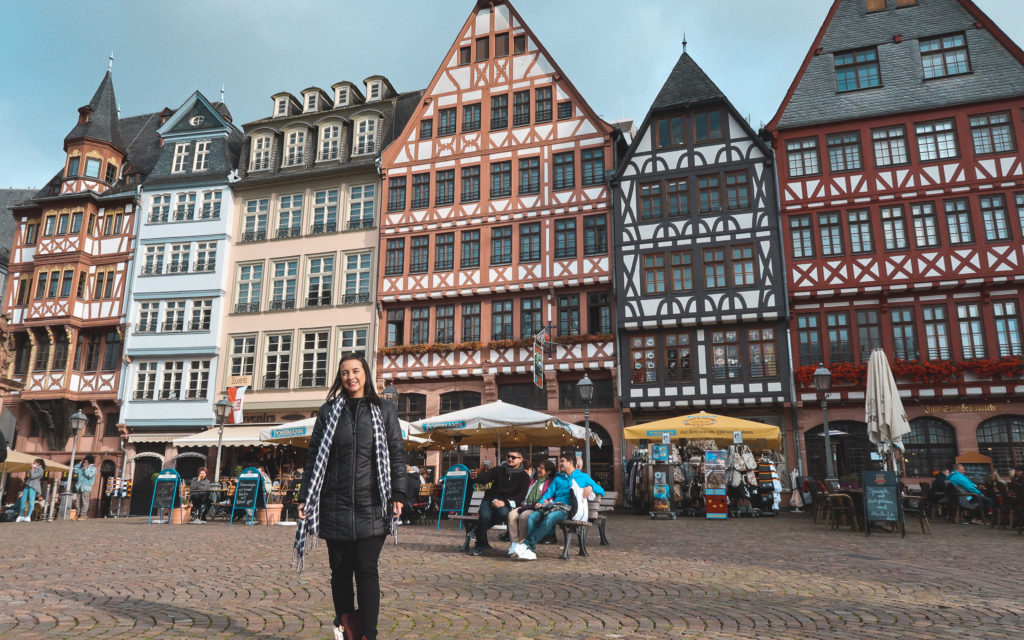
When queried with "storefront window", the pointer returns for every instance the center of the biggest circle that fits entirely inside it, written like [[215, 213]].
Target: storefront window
[[1002, 439], [931, 446], [850, 446]]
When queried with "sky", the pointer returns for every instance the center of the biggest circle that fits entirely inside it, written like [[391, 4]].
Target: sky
[[617, 53]]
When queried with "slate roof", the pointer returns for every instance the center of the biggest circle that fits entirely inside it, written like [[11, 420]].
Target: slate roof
[[687, 85], [997, 71], [103, 125], [9, 197]]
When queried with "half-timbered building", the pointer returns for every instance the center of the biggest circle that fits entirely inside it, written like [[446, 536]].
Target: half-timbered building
[[307, 208], [700, 297], [902, 194], [178, 286], [73, 250], [496, 226]]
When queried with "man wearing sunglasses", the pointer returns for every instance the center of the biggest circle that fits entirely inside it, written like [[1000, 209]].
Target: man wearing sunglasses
[[509, 484]]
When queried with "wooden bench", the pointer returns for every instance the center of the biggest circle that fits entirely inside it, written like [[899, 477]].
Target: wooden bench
[[597, 515]]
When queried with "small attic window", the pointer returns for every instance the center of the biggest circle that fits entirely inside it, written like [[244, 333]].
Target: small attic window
[[341, 97], [281, 107], [875, 5], [373, 91], [195, 121], [311, 102]]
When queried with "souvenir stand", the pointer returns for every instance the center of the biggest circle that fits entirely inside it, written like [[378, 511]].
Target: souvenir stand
[[664, 477]]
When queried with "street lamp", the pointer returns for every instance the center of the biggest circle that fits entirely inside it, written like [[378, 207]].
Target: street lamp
[[823, 382], [390, 393], [222, 408], [77, 420], [586, 390]]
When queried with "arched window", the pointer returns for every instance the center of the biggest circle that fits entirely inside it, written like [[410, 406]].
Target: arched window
[[1002, 439], [850, 446], [456, 400], [412, 407], [930, 446]]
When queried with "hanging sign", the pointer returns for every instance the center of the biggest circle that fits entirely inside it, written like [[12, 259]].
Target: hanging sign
[[539, 341], [165, 493]]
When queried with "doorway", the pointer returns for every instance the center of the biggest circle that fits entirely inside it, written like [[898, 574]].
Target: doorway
[[146, 468]]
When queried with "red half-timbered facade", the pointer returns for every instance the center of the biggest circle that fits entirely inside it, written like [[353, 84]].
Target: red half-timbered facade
[[496, 225], [70, 261], [902, 197]]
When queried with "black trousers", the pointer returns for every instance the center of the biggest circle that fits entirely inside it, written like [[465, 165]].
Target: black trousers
[[489, 516], [356, 559]]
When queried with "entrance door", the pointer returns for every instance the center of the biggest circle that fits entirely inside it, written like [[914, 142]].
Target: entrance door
[[602, 461], [107, 469], [142, 484]]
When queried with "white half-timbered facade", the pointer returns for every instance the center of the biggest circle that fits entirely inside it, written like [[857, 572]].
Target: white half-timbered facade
[[699, 283]]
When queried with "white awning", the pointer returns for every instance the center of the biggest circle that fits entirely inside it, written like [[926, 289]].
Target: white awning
[[157, 437], [234, 436]]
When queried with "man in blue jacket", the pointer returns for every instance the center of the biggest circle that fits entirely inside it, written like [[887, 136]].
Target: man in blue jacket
[[540, 523], [960, 480], [85, 474]]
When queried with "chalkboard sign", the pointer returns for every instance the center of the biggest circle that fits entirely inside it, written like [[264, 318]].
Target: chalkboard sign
[[247, 494], [165, 493], [453, 491], [881, 498]]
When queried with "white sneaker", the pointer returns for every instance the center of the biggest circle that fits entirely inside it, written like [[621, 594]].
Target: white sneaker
[[526, 554], [513, 548], [339, 633], [22, 519]]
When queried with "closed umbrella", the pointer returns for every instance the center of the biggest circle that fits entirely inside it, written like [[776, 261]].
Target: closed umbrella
[[883, 408]]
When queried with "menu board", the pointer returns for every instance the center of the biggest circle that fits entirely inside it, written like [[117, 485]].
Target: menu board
[[453, 491], [247, 492], [881, 498], [165, 493]]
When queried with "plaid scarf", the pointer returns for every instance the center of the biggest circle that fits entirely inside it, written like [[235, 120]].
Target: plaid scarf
[[308, 530]]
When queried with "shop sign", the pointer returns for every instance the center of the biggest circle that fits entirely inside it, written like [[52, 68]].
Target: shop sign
[[454, 424], [930, 409]]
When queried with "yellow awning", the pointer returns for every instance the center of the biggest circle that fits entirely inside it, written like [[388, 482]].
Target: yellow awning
[[18, 461], [708, 426]]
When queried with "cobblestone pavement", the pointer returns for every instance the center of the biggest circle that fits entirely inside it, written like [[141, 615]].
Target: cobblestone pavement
[[779, 577]]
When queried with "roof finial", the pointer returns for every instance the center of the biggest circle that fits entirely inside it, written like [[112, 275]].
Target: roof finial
[[684, 42], [110, 64], [222, 93]]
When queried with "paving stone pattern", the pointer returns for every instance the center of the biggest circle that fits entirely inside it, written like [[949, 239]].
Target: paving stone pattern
[[780, 578]]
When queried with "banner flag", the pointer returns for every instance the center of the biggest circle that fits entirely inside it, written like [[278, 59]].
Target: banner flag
[[235, 397]]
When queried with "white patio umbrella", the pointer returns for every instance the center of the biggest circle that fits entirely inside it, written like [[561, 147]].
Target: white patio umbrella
[[297, 433], [505, 424], [883, 409]]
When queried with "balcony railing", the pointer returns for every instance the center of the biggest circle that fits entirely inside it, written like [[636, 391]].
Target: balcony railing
[[360, 223], [146, 327], [318, 379], [318, 301], [158, 216], [356, 298], [184, 213], [196, 394], [177, 267], [279, 381], [279, 305], [247, 307], [169, 394], [207, 265], [141, 394], [254, 236], [323, 227], [174, 326], [152, 269], [289, 232], [209, 212], [199, 326]]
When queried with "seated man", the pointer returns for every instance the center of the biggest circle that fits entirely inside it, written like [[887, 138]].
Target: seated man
[[508, 488], [964, 484], [543, 521], [199, 495]]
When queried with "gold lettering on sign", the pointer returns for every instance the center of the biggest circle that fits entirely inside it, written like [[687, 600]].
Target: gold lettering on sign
[[931, 409]]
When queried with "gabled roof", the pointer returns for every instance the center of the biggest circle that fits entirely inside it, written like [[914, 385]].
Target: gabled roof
[[687, 85], [195, 105], [997, 63], [102, 122]]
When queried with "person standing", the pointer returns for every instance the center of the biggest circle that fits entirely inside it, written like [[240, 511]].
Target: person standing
[[33, 487], [352, 493], [509, 484], [85, 474]]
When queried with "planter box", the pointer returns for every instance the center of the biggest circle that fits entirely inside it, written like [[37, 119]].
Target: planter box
[[181, 515], [270, 515]]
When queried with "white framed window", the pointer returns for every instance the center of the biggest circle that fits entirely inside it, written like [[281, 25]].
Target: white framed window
[[357, 277], [202, 314], [314, 359], [311, 102], [145, 381], [149, 314], [154, 263], [936, 140], [972, 335], [341, 97], [254, 223], [180, 256], [361, 200], [325, 211], [289, 216], [174, 315], [186, 206], [202, 159], [161, 208], [180, 159], [198, 380], [1008, 335], [354, 339], [260, 156], [243, 355], [373, 91], [250, 288], [277, 361], [283, 282], [211, 205], [366, 136], [281, 107], [320, 281], [206, 256], [295, 144], [174, 374], [330, 142]]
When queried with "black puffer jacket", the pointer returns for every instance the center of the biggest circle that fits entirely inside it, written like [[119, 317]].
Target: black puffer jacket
[[350, 507], [508, 483]]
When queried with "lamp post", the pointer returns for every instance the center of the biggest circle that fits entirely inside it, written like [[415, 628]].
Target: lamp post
[[77, 420], [586, 390], [823, 382], [222, 408]]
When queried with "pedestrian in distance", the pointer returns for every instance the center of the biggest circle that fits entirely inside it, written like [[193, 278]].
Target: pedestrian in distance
[[85, 474], [352, 493], [33, 488]]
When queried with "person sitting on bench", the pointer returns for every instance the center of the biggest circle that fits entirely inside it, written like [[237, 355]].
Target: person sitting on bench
[[508, 488], [555, 503], [518, 519]]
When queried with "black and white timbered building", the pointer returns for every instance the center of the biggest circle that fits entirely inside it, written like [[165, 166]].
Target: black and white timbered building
[[701, 307]]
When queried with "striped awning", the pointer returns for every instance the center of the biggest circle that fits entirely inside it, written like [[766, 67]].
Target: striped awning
[[157, 436]]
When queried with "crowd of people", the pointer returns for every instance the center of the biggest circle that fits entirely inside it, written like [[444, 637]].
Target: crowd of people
[[980, 501]]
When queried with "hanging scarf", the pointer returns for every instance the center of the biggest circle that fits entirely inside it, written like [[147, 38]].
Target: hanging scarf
[[308, 530]]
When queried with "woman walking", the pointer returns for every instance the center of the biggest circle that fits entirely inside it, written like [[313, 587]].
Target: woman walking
[[33, 488], [352, 493]]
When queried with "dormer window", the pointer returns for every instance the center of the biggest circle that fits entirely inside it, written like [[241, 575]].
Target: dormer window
[[73, 163], [341, 97], [202, 159], [294, 147], [366, 136], [260, 153], [373, 91], [180, 160], [281, 107], [311, 102], [330, 139]]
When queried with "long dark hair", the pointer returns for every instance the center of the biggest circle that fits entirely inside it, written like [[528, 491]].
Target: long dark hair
[[369, 392], [42, 463]]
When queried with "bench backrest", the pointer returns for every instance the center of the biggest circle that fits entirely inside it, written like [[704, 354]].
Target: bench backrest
[[473, 508]]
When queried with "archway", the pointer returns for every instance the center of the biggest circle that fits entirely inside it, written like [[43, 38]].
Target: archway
[[187, 464], [602, 460], [145, 466], [850, 447], [107, 470]]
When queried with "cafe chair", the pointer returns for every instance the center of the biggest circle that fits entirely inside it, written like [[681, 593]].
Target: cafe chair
[[917, 506], [1002, 510], [841, 512], [819, 502]]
